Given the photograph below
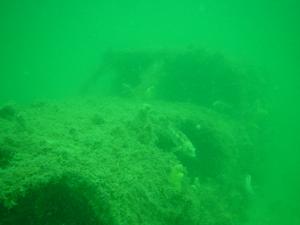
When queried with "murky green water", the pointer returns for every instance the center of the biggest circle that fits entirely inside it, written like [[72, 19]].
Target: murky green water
[[149, 112]]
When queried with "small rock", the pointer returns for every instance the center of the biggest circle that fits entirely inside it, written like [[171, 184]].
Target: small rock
[[98, 120], [8, 112]]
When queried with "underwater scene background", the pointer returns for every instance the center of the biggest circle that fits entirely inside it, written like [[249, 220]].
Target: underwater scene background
[[149, 112]]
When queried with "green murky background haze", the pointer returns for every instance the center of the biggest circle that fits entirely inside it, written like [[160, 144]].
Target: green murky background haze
[[49, 49]]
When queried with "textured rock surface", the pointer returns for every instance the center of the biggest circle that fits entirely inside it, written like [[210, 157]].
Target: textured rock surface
[[111, 161]]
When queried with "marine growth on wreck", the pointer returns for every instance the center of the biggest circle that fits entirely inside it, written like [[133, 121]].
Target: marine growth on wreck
[[170, 141]]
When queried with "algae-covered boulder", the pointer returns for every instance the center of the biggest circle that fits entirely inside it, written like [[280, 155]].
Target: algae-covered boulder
[[170, 143], [115, 161]]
